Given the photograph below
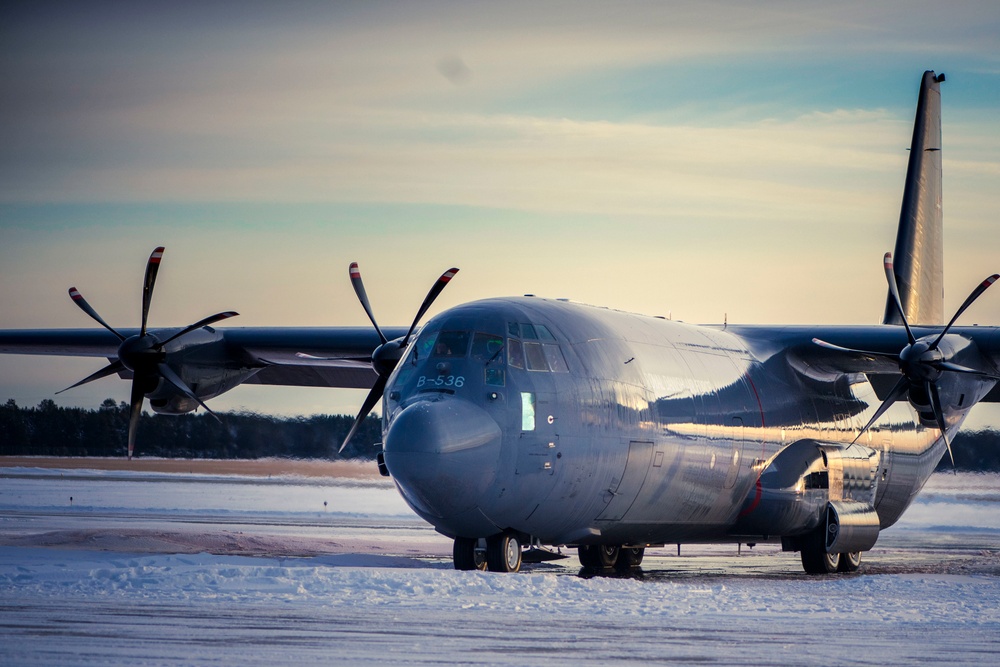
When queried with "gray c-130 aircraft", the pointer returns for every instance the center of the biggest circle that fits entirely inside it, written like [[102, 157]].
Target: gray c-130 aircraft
[[515, 424]]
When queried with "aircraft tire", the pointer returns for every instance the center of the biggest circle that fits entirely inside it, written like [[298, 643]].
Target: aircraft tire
[[467, 555], [629, 558], [849, 562], [503, 553], [599, 555], [815, 559]]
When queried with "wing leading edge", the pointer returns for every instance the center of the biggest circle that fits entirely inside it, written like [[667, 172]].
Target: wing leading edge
[[291, 356]]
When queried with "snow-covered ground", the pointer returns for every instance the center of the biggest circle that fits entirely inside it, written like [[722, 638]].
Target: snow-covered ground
[[144, 569]]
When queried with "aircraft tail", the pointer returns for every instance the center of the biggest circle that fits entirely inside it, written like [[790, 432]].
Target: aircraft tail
[[918, 257]]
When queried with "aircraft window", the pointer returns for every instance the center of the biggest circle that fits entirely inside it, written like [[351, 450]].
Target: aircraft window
[[487, 347], [494, 377], [543, 332], [513, 329], [451, 344], [424, 345], [515, 355], [554, 355], [528, 332], [535, 357], [527, 411]]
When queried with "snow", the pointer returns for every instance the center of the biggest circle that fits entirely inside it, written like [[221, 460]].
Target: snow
[[208, 570]]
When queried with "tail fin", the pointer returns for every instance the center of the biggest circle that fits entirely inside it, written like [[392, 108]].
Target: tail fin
[[919, 254]]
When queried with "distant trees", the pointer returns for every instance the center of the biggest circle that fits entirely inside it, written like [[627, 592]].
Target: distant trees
[[974, 451], [50, 430]]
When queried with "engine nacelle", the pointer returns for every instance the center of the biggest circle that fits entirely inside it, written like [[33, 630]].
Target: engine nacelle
[[206, 381], [850, 526]]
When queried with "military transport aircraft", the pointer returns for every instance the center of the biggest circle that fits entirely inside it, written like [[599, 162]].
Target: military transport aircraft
[[511, 423]]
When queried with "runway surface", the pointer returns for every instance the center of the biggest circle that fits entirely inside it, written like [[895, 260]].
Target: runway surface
[[123, 567]]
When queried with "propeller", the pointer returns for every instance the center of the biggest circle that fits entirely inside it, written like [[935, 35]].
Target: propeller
[[921, 362], [144, 354], [387, 355]]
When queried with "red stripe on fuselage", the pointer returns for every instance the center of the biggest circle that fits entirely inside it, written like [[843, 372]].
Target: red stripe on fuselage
[[758, 490]]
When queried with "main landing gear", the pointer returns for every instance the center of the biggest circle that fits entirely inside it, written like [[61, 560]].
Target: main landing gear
[[607, 556], [820, 562], [816, 560], [503, 553]]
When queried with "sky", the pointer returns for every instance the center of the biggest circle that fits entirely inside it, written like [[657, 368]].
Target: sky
[[702, 160]]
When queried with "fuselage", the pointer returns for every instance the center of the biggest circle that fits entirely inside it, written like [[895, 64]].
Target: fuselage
[[578, 425]]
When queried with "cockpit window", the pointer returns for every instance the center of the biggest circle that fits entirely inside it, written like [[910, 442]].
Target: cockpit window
[[545, 357], [528, 331], [515, 354], [487, 348], [554, 355], [451, 344], [425, 344], [535, 357]]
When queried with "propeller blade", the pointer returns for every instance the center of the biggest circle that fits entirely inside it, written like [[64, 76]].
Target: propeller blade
[[152, 266], [112, 368], [212, 319], [958, 368], [435, 290], [374, 396], [359, 289], [939, 417], [838, 348], [173, 378], [890, 277], [976, 293], [894, 395], [135, 411], [78, 299]]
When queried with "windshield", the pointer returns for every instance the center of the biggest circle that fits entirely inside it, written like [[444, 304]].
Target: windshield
[[450, 344]]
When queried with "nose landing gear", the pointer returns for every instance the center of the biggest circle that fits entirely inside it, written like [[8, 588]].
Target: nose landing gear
[[499, 553], [469, 553], [503, 553]]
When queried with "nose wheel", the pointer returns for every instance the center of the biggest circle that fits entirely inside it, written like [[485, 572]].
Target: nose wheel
[[503, 553], [469, 554]]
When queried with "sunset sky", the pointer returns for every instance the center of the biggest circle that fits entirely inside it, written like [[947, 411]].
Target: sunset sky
[[697, 159]]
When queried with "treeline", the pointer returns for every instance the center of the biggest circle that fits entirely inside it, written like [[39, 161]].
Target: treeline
[[50, 430], [974, 451]]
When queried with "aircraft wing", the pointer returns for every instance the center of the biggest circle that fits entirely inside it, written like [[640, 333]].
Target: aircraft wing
[[311, 357], [868, 350], [61, 342], [293, 356]]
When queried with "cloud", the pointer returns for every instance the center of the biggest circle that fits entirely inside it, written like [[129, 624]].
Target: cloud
[[455, 70]]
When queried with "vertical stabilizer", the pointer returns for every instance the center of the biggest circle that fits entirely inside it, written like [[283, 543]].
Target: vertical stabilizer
[[919, 254]]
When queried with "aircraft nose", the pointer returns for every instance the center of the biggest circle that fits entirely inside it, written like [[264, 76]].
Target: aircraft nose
[[443, 453]]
